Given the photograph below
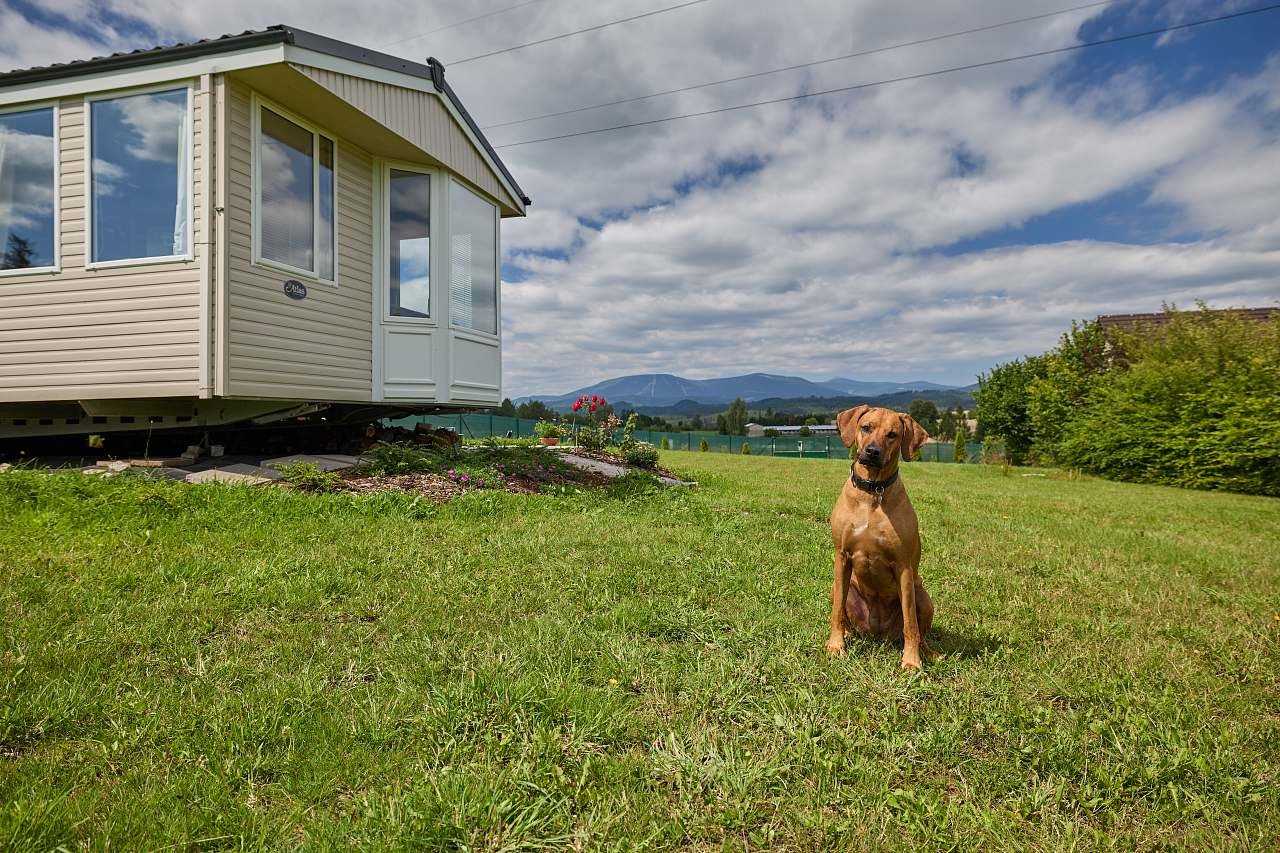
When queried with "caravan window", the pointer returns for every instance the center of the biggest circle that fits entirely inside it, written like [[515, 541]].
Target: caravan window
[[295, 196], [140, 177], [27, 190], [473, 261]]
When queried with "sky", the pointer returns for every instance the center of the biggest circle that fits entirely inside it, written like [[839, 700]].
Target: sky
[[926, 229]]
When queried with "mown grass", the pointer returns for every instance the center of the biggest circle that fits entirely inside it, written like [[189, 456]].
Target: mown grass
[[221, 667]]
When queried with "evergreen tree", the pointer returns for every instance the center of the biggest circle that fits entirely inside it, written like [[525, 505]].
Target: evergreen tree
[[961, 453]]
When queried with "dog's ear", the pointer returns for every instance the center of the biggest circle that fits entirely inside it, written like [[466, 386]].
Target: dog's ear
[[847, 421], [913, 436]]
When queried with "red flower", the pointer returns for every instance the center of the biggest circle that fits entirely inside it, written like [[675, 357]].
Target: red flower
[[593, 407], [593, 398], [577, 404]]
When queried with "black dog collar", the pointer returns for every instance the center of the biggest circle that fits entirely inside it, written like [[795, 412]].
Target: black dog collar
[[875, 487]]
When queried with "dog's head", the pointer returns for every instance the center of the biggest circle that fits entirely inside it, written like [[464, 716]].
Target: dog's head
[[880, 435]]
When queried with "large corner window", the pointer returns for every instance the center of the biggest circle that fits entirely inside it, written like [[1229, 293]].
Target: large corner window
[[409, 229], [473, 261], [295, 196], [140, 177], [27, 190]]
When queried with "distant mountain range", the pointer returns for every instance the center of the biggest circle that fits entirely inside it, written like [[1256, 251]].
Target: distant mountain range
[[652, 392]]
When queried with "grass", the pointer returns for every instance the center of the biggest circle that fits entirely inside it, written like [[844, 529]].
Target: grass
[[227, 667]]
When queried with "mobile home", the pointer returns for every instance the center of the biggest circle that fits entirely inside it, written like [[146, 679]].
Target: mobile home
[[244, 228]]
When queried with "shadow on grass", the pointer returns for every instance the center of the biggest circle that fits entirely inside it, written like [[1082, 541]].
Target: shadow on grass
[[950, 643], [958, 644]]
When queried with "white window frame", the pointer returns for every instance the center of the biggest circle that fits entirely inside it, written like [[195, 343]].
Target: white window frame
[[256, 105], [384, 276], [57, 189], [189, 255], [497, 264]]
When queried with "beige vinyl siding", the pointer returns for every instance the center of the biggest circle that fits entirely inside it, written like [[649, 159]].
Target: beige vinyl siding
[[101, 334], [318, 348], [421, 118]]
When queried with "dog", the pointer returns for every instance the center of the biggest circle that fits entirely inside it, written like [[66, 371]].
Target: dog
[[876, 588]]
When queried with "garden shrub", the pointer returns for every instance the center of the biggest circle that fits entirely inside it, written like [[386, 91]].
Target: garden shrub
[[994, 451], [666, 445], [704, 446], [1195, 406], [398, 457], [641, 454], [746, 448]]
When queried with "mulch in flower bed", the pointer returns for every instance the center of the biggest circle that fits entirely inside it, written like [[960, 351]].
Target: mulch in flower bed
[[517, 479]]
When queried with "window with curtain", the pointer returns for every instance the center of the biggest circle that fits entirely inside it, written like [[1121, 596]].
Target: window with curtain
[[140, 188], [295, 196], [473, 263], [27, 158], [409, 226]]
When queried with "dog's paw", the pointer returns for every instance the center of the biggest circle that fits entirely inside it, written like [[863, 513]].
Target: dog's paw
[[911, 663], [835, 647]]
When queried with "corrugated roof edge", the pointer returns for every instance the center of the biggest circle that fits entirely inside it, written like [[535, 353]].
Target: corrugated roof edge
[[276, 34]]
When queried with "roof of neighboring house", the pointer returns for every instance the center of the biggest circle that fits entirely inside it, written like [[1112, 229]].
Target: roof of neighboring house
[[1128, 322], [277, 34]]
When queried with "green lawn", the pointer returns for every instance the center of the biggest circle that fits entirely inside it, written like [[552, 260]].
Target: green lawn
[[253, 668]]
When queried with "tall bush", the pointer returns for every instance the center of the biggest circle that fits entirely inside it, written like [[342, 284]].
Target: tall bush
[[1057, 394], [1196, 405], [1003, 396]]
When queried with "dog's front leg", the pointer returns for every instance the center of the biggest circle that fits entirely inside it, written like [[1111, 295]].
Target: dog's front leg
[[910, 620], [839, 592]]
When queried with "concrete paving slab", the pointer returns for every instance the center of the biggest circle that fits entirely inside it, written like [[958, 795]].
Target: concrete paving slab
[[250, 470], [218, 475], [165, 473], [325, 462]]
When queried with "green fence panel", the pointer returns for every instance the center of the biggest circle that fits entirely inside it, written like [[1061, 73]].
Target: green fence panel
[[793, 447]]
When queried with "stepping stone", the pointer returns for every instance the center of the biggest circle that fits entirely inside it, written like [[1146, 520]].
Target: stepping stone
[[221, 475], [249, 470], [612, 471], [165, 473], [326, 462]]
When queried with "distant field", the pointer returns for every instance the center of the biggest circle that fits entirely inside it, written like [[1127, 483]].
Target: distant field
[[220, 667]]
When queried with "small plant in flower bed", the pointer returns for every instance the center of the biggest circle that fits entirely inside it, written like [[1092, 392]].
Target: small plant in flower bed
[[599, 422], [400, 457], [548, 429], [308, 477], [640, 454]]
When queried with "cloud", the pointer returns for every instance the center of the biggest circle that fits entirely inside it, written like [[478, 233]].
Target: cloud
[[817, 237]]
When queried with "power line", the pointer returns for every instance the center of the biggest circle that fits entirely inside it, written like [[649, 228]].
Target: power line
[[577, 32], [920, 76], [756, 74], [460, 23]]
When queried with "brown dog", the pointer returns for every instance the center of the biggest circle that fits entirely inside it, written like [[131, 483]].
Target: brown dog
[[876, 589]]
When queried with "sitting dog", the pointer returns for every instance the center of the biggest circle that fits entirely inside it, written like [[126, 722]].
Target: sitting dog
[[876, 588]]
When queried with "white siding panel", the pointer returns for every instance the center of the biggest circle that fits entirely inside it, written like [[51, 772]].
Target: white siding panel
[[422, 119], [318, 348], [97, 334]]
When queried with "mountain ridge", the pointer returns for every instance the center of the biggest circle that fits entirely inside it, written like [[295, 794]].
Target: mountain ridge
[[648, 390]]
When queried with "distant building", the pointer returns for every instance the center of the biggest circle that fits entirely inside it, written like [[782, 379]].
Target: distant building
[[1130, 322], [757, 430]]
